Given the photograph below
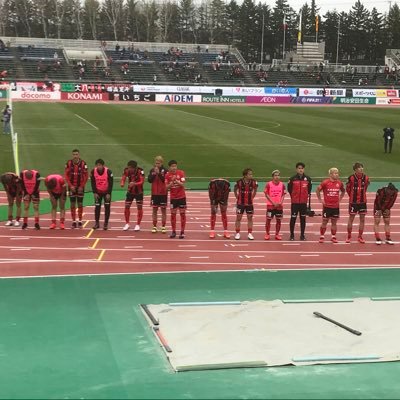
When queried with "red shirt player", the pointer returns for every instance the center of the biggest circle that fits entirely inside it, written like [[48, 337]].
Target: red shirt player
[[13, 188], [175, 183], [218, 192], [275, 192], [76, 176], [135, 177], [384, 201], [333, 191], [158, 193], [245, 190], [356, 188], [57, 189], [30, 180]]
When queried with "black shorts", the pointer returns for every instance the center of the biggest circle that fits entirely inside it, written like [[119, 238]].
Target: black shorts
[[178, 203], [158, 200], [34, 197], [78, 192], [330, 213], [217, 202], [58, 195], [357, 208], [380, 213], [298, 208], [241, 209], [102, 196], [15, 194], [130, 197], [274, 212]]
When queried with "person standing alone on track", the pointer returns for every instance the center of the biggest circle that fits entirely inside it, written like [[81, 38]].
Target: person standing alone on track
[[333, 191], [102, 180], [384, 201], [76, 176], [135, 176], [274, 192], [299, 188], [159, 193], [12, 186], [218, 192], [30, 180], [245, 190], [388, 137], [175, 183], [356, 187], [57, 189]]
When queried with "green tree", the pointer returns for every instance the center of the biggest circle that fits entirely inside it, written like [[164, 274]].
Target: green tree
[[359, 20], [393, 27]]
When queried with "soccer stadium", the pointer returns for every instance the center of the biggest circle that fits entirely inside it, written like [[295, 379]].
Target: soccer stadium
[[135, 136]]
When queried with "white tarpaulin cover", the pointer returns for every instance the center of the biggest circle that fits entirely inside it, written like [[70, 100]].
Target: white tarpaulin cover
[[275, 333]]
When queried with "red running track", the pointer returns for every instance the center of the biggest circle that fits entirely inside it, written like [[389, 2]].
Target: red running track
[[86, 252]]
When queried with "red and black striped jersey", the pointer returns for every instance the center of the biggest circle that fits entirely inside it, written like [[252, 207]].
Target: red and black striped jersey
[[218, 190], [245, 191], [385, 198], [356, 188], [135, 176], [76, 174]]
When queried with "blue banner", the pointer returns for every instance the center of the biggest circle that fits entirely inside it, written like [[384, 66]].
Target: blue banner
[[311, 100], [280, 91]]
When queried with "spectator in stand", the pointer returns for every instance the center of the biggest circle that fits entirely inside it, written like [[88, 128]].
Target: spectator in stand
[[3, 74], [117, 47]]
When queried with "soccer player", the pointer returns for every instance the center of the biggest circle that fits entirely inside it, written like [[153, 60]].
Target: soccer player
[[6, 118], [245, 190], [57, 189], [175, 183], [388, 136], [356, 188], [275, 192], [135, 177], [13, 188], [218, 192], [102, 180], [158, 193], [384, 201], [333, 191], [299, 188], [30, 181], [76, 176]]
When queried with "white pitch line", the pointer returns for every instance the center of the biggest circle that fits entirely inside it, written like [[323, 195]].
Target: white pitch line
[[85, 120], [251, 128]]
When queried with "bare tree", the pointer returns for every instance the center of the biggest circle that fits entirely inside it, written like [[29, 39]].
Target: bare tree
[[92, 8], [168, 14], [114, 10], [24, 10], [3, 17], [150, 14], [59, 11]]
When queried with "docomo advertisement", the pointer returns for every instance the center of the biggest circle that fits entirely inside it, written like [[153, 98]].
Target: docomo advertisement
[[35, 96], [178, 98], [79, 96], [319, 92], [268, 99]]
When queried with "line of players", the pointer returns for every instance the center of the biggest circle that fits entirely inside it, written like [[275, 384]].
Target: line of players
[[26, 187]]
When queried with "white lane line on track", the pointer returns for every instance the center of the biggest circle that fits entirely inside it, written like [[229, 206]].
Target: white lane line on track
[[363, 254], [133, 247], [142, 259], [309, 255], [205, 257]]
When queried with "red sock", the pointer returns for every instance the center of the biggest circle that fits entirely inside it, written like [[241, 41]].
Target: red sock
[[183, 221], [62, 220], [237, 230], [36, 220], [17, 218], [80, 212], [154, 222], [377, 236], [224, 220], [53, 221], [250, 230], [333, 232], [267, 226], [73, 213], [322, 231], [387, 234], [360, 232], [127, 213], [163, 219], [25, 220], [139, 215], [173, 221], [348, 232], [278, 226], [212, 221]]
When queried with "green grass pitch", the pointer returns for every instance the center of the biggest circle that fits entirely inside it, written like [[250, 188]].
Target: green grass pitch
[[207, 141]]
